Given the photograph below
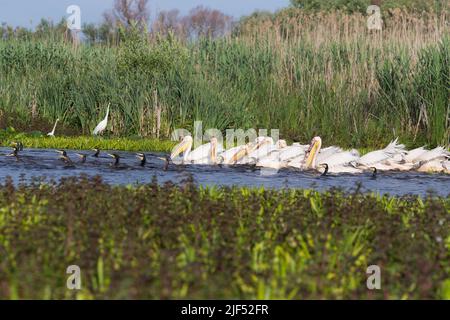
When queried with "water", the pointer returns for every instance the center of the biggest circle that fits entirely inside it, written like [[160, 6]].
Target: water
[[45, 163]]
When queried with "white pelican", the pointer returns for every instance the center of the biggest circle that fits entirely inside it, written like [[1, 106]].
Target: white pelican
[[228, 156], [436, 160], [293, 153], [412, 155], [415, 159], [373, 158], [245, 154], [272, 159], [429, 155], [185, 147], [205, 154], [333, 159], [262, 147], [102, 125], [436, 165], [52, 133], [310, 161]]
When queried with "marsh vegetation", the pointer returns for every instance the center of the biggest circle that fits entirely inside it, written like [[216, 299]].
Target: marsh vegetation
[[304, 73], [167, 241]]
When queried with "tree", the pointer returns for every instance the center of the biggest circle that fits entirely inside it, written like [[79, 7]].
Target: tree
[[205, 22], [169, 21], [128, 12], [317, 5]]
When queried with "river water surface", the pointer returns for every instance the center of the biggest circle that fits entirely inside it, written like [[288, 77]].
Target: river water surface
[[44, 163]]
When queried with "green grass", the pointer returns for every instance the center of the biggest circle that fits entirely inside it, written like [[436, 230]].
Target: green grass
[[87, 143], [165, 241]]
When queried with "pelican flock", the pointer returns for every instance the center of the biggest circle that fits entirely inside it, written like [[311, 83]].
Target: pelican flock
[[265, 153]]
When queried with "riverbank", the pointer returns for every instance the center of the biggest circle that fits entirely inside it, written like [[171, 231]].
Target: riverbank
[[88, 142]]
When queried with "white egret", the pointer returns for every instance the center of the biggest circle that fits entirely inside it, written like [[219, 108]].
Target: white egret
[[102, 125], [52, 133]]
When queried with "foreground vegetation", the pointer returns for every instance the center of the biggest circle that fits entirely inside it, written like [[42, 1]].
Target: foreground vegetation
[[154, 241], [304, 73]]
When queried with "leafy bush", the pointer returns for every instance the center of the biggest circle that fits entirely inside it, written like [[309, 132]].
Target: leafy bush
[[138, 56]]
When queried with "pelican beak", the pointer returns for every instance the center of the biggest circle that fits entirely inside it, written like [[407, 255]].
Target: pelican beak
[[181, 147], [312, 152], [240, 154], [213, 150]]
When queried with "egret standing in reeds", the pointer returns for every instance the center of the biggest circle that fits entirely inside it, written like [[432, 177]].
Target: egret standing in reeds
[[52, 133], [102, 125]]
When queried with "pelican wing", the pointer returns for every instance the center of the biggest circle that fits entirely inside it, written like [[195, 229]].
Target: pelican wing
[[414, 154], [200, 153], [262, 152], [436, 153], [292, 152], [381, 155], [326, 153], [339, 159]]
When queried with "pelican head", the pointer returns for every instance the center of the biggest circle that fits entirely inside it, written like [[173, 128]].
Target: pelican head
[[184, 147], [260, 141], [311, 155], [142, 158], [281, 144]]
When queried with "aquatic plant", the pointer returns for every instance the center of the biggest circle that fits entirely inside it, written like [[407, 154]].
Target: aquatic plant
[[167, 241]]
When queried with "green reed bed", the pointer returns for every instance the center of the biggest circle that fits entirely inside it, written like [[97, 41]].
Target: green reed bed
[[165, 241], [305, 74]]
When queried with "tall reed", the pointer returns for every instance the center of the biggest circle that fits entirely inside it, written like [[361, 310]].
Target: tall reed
[[305, 74]]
